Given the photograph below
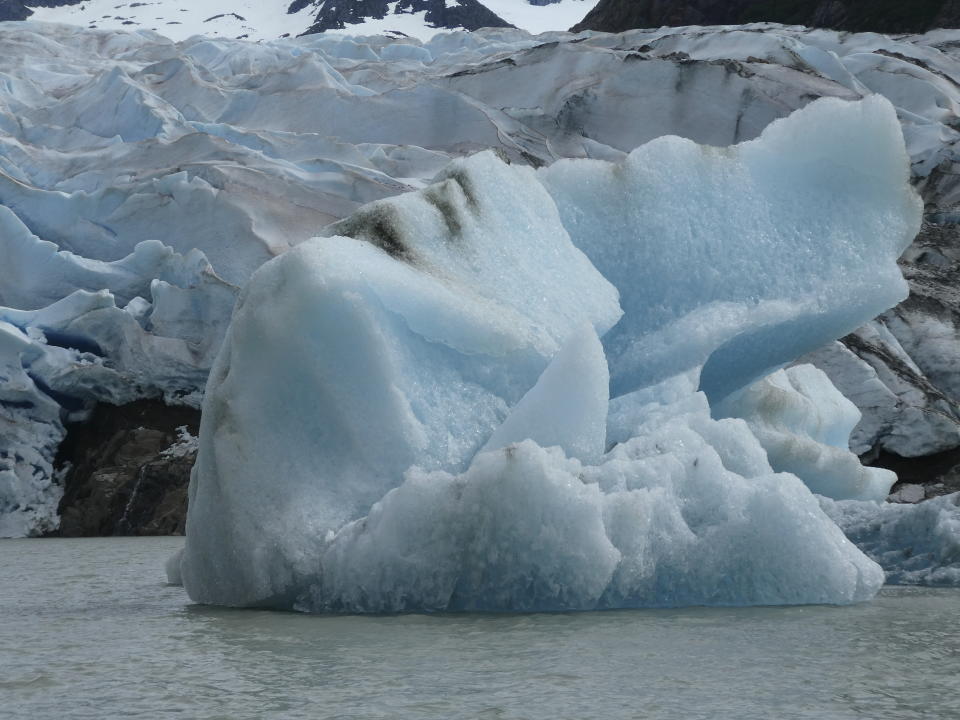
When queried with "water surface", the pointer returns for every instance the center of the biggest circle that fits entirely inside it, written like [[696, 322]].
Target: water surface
[[89, 629]]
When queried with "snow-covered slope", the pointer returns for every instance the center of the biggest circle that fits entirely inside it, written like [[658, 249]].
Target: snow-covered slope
[[180, 19], [272, 19], [541, 16]]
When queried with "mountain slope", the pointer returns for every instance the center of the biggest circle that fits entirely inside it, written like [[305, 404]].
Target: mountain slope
[[887, 16], [338, 15], [272, 19]]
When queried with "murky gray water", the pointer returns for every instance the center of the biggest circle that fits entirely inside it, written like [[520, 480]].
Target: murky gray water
[[89, 629]]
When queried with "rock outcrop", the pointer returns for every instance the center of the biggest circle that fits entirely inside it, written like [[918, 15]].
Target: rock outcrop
[[19, 10], [127, 471], [887, 16], [13, 10], [339, 14]]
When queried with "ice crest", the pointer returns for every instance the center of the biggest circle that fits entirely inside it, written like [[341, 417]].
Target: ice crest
[[567, 408]]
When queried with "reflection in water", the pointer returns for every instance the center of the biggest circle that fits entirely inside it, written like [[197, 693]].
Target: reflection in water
[[90, 630]]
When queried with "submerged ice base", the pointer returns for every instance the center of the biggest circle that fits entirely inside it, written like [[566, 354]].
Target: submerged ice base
[[370, 430]]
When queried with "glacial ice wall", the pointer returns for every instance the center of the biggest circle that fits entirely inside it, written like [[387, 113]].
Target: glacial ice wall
[[370, 430]]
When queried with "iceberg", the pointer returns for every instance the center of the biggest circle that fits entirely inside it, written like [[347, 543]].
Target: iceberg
[[415, 412]]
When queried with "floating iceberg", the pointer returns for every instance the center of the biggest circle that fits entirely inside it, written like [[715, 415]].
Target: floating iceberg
[[416, 412]]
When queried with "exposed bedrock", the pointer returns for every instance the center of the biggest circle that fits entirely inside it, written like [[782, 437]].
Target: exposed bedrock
[[13, 10], [889, 16], [339, 14], [126, 470], [20, 10]]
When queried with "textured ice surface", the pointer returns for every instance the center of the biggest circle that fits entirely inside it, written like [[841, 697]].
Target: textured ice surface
[[804, 425], [30, 432], [915, 544], [339, 469], [660, 523], [732, 282], [407, 345]]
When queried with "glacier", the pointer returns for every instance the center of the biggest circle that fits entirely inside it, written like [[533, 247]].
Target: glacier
[[371, 429], [915, 544], [128, 236]]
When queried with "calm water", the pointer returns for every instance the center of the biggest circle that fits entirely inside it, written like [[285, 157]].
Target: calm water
[[89, 629]]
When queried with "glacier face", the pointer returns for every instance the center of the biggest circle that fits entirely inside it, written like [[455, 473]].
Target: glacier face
[[915, 544], [370, 430]]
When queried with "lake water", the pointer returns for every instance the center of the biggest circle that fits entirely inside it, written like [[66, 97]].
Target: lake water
[[89, 629]]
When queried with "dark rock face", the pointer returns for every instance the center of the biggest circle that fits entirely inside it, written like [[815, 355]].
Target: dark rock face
[[927, 324], [14, 10], [120, 479], [940, 468], [886, 16], [338, 14], [19, 10]]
